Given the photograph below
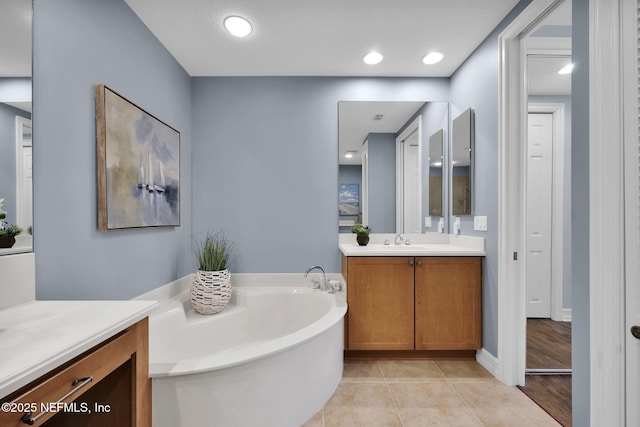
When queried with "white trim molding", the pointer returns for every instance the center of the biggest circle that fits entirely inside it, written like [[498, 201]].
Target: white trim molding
[[512, 133], [630, 35], [606, 215], [488, 361]]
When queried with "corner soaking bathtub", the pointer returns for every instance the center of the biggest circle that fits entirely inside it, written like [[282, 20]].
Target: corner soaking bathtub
[[273, 357]]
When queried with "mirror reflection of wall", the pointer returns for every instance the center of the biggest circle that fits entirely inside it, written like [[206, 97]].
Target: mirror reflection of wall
[[15, 119], [436, 159], [462, 134], [381, 127]]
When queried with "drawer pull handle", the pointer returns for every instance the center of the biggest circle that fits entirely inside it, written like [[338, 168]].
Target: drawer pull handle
[[411, 263], [78, 383]]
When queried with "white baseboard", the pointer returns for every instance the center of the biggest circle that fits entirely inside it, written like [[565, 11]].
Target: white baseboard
[[566, 315], [488, 361]]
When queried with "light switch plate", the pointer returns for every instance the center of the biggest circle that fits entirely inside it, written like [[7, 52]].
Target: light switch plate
[[480, 223], [427, 221]]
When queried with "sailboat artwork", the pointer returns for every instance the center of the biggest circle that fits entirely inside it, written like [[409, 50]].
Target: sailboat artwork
[[139, 181]]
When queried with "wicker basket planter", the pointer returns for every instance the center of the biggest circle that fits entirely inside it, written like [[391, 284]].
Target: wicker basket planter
[[210, 291]]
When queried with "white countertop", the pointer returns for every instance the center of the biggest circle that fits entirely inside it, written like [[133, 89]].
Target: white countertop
[[420, 245], [39, 336]]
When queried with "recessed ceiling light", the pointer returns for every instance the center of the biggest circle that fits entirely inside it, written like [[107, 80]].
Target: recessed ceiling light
[[432, 58], [350, 154], [567, 69], [238, 26], [373, 58]]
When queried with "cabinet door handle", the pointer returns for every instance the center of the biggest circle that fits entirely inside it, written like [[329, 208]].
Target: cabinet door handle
[[411, 263], [78, 383], [419, 263]]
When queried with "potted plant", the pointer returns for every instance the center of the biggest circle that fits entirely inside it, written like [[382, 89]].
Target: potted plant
[[362, 233], [211, 288], [7, 233]]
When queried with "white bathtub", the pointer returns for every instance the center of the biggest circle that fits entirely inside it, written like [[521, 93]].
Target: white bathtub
[[273, 357]]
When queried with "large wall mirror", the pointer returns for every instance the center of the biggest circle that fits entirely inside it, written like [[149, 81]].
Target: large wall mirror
[[15, 120], [462, 137], [392, 165]]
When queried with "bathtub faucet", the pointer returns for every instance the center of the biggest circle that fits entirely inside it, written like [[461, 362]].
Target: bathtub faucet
[[323, 285]]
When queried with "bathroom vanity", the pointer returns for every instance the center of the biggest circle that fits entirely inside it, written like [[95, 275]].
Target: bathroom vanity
[[417, 300], [75, 363]]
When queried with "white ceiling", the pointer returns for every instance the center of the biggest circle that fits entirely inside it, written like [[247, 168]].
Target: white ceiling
[[355, 122], [321, 38]]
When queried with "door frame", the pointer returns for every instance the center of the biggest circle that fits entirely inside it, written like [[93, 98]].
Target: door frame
[[414, 126], [513, 110], [606, 207], [632, 209], [558, 313]]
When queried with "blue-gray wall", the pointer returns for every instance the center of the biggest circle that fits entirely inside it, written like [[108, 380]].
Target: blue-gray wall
[[78, 44], [580, 358], [475, 85], [8, 158], [382, 182], [265, 154], [566, 182]]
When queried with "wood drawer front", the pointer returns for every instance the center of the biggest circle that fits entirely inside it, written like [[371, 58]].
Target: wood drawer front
[[97, 363]]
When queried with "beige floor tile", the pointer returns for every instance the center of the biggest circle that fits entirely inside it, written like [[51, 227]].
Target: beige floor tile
[[431, 404], [411, 371], [361, 370], [498, 405], [361, 404], [315, 421], [464, 371]]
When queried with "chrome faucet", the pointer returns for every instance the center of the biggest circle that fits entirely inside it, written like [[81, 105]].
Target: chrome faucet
[[399, 239], [323, 285]]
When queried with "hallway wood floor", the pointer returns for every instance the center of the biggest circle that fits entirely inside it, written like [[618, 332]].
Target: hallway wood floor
[[549, 347]]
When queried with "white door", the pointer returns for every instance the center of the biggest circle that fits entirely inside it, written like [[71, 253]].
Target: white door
[[539, 215], [411, 185], [365, 184], [24, 175]]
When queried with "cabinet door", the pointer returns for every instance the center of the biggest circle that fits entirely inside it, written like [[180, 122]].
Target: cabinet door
[[448, 303], [381, 303]]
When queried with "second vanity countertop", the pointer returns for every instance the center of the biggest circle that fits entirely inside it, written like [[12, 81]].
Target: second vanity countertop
[[39, 336], [420, 245]]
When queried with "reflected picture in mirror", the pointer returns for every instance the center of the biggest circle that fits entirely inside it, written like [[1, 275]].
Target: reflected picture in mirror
[[385, 147], [462, 136], [15, 121]]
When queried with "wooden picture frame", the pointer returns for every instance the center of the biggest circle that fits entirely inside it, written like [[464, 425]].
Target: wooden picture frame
[[138, 159]]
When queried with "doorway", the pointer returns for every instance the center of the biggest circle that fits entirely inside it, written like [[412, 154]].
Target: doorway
[[409, 179], [24, 174]]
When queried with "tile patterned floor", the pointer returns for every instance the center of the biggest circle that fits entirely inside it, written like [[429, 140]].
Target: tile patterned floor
[[425, 393]]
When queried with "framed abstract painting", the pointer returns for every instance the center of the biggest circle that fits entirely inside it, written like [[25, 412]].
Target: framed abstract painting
[[138, 166]]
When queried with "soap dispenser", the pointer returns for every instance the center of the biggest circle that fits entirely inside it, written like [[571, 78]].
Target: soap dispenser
[[456, 225]]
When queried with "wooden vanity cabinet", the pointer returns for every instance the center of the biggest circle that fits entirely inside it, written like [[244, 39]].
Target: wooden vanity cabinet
[[413, 303], [118, 392]]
